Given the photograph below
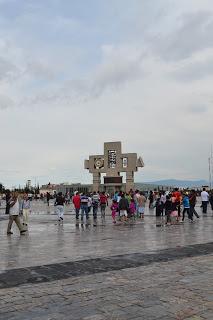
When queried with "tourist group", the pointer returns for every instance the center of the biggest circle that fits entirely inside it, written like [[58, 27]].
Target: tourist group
[[125, 207]]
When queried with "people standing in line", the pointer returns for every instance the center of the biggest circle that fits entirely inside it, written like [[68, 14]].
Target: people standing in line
[[192, 202], [123, 208], [95, 204], [59, 204], [141, 205], [14, 214], [77, 204], [186, 207], [103, 204], [7, 198], [25, 208], [84, 207], [211, 199], [204, 199]]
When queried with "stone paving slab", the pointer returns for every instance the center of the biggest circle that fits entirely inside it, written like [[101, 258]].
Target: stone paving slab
[[48, 243], [51, 272], [179, 289]]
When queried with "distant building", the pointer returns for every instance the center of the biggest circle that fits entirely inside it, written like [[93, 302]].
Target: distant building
[[71, 188], [51, 188], [28, 184]]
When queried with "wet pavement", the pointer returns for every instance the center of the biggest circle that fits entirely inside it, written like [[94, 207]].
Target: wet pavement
[[144, 270]]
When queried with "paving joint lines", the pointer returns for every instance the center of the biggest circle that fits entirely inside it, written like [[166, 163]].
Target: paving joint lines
[[58, 271]]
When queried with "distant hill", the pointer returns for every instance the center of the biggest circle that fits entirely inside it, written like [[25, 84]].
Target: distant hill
[[179, 183]]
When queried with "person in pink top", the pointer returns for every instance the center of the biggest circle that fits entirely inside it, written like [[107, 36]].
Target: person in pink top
[[77, 204], [132, 208], [114, 209]]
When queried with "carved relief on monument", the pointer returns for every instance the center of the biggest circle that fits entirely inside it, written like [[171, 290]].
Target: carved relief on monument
[[112, 159], [98, 163]]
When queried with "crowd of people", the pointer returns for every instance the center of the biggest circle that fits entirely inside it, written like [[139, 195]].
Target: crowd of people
[[131, 206], [124, 206]]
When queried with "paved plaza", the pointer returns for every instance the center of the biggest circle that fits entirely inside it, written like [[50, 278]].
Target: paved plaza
[[145, 270]]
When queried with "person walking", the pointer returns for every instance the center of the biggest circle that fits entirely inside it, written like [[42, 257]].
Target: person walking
[[14, 214], [168, 209], [59, 203], [178, 198], [103, 204], [211, 199], [192, 202], [163, 201], [123, 207], [141, 205], [77, 204], [7, 198], [25, 209], [48, 199], [186, 207], [151, 199], [95, 204], [84, 207], [204, 199]]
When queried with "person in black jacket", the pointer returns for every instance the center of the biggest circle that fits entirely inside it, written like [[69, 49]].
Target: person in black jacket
[[211, 199], [123, 206], [59, 203], [8, 197], [192, 201]]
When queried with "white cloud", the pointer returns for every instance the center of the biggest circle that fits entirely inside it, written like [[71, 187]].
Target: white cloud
[[69, 83]]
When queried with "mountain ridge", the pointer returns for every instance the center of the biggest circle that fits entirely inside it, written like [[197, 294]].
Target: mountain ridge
[[179, 183]]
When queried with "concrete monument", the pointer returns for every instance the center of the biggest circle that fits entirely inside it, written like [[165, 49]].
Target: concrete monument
[[111, 164]]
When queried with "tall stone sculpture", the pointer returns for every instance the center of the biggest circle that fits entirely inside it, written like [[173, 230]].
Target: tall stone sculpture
[[111, 164]]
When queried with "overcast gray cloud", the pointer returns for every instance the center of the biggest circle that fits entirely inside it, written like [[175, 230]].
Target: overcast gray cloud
[[191, 36], [72, 77]]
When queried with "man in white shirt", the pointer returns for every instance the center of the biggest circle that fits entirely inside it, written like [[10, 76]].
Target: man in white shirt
[[14, 214], [205, 200]]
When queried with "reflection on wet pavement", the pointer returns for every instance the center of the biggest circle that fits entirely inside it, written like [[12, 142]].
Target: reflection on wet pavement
[[47, 242]]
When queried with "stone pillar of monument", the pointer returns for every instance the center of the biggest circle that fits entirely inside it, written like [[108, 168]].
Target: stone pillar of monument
[[96, 181], [129, 180]]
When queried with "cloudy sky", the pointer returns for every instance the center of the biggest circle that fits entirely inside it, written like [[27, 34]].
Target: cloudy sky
[[74, 74]]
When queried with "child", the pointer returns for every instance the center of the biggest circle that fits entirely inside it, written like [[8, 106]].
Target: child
[[132, 208], [114, 209], [168, 209]]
